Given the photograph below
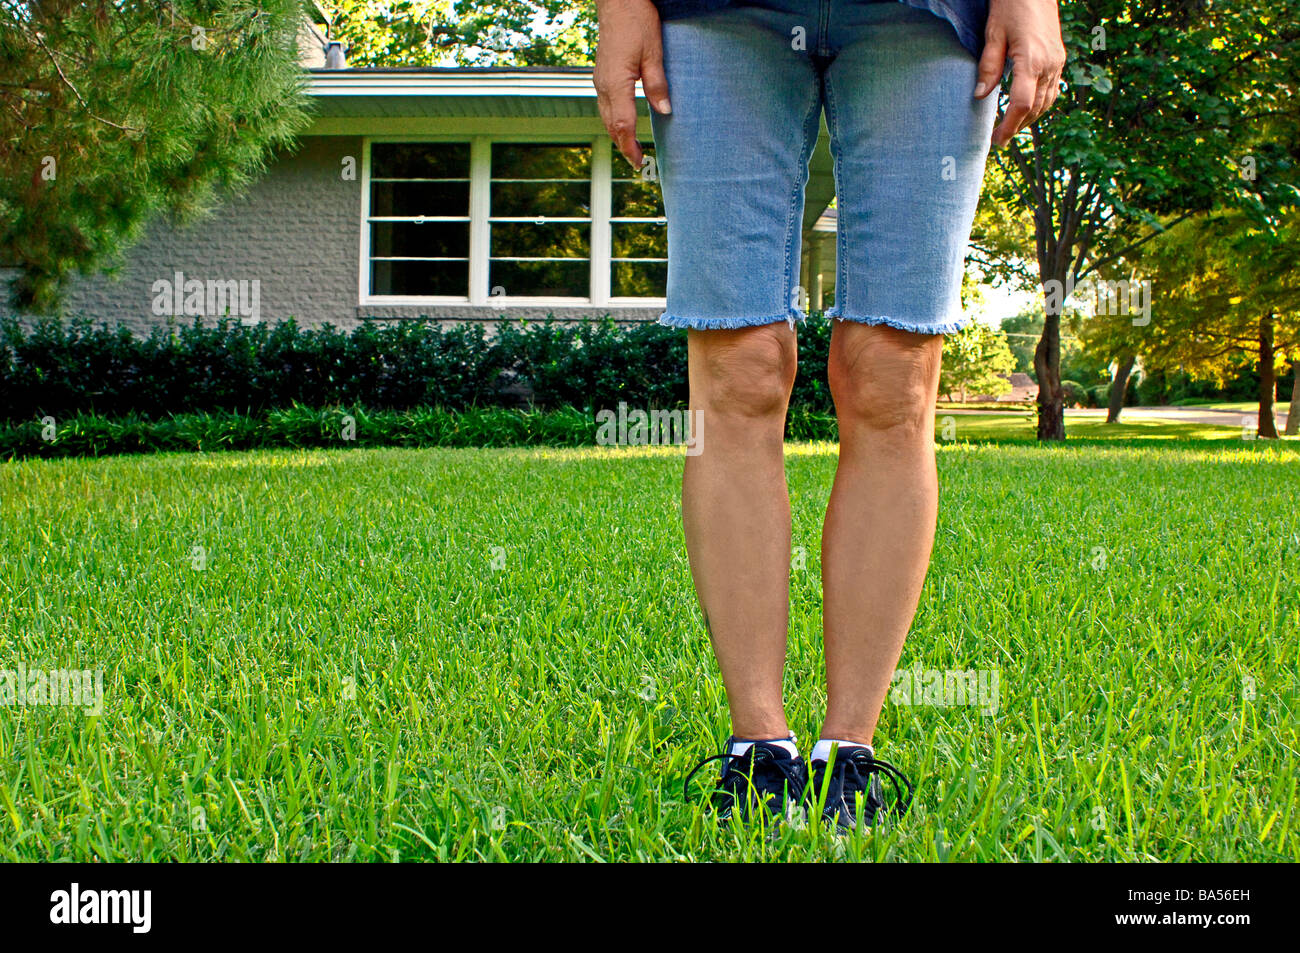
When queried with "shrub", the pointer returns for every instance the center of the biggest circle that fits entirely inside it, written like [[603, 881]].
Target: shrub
[[64, 369], [1074, 393]]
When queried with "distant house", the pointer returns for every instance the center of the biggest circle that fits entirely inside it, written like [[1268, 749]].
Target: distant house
[[454, 193], [1023, 389]]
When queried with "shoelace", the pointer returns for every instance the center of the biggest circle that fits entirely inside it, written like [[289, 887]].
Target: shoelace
[[863, 766], [784, 767]]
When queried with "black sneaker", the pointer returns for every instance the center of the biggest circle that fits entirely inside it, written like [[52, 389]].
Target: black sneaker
[[766, 775], [854, 777]]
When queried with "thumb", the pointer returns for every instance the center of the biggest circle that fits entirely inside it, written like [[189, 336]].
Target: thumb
[[653, 81], [992, 63]]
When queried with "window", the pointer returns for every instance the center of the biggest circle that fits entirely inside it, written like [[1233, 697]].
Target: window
[[638, 231], [541, 221], [419, 219], [494, 220]]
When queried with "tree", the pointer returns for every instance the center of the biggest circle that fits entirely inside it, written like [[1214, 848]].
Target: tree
[[976, 360], [1227, 289], [485, 33], [1117, 334], [1171, 109], [113, 111]]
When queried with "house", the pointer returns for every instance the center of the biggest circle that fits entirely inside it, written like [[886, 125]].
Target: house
[[1023, 390], [454, 193]]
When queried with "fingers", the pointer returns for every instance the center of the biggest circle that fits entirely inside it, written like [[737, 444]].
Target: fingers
[[1024, 95], [992, 62], [617, 104], [1026, 34], [1050, 89], [1040, 100], [630, 48], [653, 80]]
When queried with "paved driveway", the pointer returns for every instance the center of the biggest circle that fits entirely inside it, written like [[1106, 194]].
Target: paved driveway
[[1223, 416]]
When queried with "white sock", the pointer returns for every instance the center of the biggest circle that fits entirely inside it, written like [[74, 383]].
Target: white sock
[[740, 746], [822, 750]]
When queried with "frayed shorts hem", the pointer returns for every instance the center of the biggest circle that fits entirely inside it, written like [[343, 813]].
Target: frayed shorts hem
[[917, 327], [715, 324]]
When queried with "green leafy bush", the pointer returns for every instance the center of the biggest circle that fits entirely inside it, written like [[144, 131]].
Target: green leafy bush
[[1075, 394], [62, 369]]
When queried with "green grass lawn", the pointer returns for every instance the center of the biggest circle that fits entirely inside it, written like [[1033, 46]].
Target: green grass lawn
[[496, 654]]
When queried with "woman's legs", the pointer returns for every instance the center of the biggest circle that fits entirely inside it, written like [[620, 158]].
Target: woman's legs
[[880, 520], [736, 513], [909, 145], [879, 526]]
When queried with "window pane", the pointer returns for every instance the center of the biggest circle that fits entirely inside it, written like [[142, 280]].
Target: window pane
[[636, 200], [419, 198], [419, 278], [419, 160], [549, 279], [422, 240], [635, 194], [638, 279], [638, 240], [568, 199], [551, 240], [531, 161]]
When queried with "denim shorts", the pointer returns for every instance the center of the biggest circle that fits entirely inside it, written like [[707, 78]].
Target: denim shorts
[[748, 84]]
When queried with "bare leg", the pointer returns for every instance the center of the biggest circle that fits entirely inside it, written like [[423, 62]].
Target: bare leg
[[880, 521], [736, 513]]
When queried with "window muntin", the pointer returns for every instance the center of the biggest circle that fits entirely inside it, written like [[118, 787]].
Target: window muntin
[[540, 220], [419, 219]]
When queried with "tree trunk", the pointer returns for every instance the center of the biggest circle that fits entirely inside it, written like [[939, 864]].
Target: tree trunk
[[1119, 387], [1047, 367], [1267, 379], [1293, 415]]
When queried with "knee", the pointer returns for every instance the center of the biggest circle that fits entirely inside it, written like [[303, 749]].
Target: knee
[[884, 379], [747, 372]]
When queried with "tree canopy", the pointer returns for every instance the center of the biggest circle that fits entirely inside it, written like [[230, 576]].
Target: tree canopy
[[114, 111], [444, 32], [1171, 109]]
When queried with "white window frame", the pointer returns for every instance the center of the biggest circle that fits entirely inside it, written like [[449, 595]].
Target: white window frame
[[366, 177], [479, 234]]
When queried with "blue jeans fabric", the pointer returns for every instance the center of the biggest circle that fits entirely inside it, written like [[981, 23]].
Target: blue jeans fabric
[[968, 17], [748, 85]]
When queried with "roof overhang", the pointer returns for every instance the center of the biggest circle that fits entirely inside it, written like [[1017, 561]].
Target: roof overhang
[[457, 92]]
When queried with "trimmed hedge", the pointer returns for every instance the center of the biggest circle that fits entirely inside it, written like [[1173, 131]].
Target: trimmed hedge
[[1075, 394], [62, 369], [93, 435]]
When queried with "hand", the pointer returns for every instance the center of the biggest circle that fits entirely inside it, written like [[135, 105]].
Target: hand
[[630, 48], [1028, 33]]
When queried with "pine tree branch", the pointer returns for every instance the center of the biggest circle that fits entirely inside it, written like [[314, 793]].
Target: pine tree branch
[[76, 92]]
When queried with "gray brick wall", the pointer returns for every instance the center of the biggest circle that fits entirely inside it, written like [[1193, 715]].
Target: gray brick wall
[[296, 231], [451, 313]]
